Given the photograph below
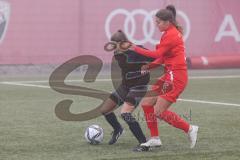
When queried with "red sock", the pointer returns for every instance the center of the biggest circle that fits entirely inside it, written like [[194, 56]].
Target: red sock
[[175, 120], [151, 120]]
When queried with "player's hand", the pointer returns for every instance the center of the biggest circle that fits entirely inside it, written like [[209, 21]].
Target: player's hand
[[144, 70], [132, 47], [125, 45]]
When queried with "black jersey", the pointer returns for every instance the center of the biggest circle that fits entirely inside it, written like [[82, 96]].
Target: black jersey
[[130, 63]]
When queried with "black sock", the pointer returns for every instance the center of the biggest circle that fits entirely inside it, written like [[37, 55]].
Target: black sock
[[112, 120], [134, 127]]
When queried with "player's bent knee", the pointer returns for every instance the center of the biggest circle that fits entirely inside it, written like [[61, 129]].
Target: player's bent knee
[[148, 101], [127, 108]]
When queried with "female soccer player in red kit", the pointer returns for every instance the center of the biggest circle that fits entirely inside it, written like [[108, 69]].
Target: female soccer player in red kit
[[171, 53]]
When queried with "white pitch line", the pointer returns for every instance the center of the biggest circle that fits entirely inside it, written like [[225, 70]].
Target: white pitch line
[[25, 85], [48, 87], [184, 100], [46, 81], [209, 102], [107, 80], [215, 77]]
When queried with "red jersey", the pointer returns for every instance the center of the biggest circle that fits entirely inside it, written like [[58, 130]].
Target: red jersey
[[170, 50]]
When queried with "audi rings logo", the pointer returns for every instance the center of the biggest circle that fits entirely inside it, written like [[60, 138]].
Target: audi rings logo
[[148, 25]]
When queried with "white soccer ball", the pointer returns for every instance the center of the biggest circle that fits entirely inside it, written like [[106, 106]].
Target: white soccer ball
[[94, 134]]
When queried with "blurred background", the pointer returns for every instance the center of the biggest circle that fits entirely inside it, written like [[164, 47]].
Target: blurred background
[[38, 35]]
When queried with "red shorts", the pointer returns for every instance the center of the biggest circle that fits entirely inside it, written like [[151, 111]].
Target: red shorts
[[171, 85]]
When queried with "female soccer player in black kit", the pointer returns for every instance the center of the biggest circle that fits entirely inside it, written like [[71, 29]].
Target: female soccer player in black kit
[[127, 94]]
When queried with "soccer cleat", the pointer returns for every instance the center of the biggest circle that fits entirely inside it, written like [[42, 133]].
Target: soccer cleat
[[141, 148], [192, 135], [115, 135], [153, 142]]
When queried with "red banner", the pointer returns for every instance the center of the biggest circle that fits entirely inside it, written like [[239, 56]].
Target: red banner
[[53, 31]]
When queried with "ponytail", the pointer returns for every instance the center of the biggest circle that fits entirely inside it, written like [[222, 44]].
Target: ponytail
[[172, 9], [174, 21]]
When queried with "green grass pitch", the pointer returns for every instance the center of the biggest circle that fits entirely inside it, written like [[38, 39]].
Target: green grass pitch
[[30, 130]]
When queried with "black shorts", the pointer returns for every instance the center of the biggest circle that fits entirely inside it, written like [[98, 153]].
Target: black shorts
[[132, 95]]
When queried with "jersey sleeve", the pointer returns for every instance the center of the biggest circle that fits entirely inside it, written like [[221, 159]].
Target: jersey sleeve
[[142, 58], [167, 42]]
